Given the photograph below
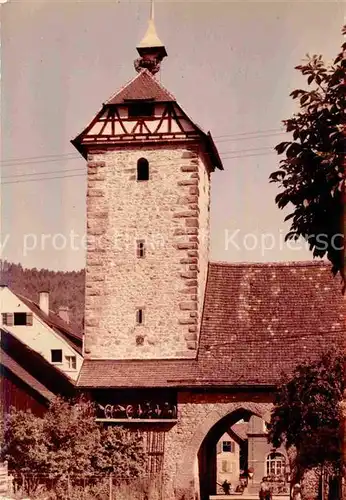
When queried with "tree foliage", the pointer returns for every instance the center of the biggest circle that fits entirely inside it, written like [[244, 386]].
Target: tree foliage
[[115, 447], [72, 438], [66, 288], [307, 413], [24, 442], [311, 176], [68, 442]]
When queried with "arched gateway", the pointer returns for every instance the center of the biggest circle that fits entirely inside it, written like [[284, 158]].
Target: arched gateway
[[176, 346], [199, 457]]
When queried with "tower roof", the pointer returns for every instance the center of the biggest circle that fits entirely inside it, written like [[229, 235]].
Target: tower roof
[[143, 87], [130, 116]]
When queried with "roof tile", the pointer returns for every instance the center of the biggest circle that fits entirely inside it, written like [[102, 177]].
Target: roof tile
[[8, 362], [259, 320], [143, 86], [70, 335]]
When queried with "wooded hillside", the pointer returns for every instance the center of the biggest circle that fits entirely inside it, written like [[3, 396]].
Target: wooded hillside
[[66, 288]]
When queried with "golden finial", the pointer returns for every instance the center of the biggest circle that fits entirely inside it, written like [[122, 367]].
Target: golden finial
[[150, 39], [151, 49]]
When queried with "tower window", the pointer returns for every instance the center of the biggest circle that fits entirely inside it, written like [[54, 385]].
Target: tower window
[[140, 316], [142, 169], [141, 109], [140, 249]]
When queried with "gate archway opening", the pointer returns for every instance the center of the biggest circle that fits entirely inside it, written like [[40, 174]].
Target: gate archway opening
[[207, 454]]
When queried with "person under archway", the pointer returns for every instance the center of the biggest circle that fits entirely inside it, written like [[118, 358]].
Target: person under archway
[[297, 492], [226, 486], [265, 491]]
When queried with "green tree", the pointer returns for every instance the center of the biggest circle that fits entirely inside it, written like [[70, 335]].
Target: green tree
[[73, 438], [307, 414], [118, 443], [77, 445], [68, 444], [24, 446], [311, 176]]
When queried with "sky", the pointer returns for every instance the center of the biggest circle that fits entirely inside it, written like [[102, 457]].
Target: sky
[[231, 67]]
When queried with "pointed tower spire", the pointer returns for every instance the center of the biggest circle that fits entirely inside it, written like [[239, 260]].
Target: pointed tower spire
[[151, 49], [152, 10]]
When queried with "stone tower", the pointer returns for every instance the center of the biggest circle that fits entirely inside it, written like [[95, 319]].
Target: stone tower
[[148, 201]]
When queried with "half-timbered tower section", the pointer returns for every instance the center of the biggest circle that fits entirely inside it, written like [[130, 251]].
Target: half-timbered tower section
[[149, 169]]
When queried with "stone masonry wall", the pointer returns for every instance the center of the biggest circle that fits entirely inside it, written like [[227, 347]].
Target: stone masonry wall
[[170, 212], [204, 232], [197, 415]]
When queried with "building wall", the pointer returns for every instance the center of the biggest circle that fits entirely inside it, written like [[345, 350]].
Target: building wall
[[170, 212], [38, 336], [14, 393], [259, 449], [231, 459], [201, 414], [203, 230]]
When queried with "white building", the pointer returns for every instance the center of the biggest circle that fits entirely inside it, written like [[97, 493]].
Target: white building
[[227, 461], [41, 330]]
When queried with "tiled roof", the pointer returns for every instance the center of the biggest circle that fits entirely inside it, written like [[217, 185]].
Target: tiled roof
[[72, 337], [240, 429], [6, 361], [30, 361], [143, 86], [259, 320], [135, 373]]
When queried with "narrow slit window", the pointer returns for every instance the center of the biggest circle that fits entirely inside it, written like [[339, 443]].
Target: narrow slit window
[[142, 169], [140, 249], [140, 316]]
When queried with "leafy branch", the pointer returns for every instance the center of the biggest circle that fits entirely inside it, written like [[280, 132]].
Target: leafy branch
[[311, 174]]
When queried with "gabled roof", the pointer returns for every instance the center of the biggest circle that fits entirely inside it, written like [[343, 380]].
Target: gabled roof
[[240, 429], [143, 86], [72, 337], [55, 380], [6, 361], [259, 320]]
